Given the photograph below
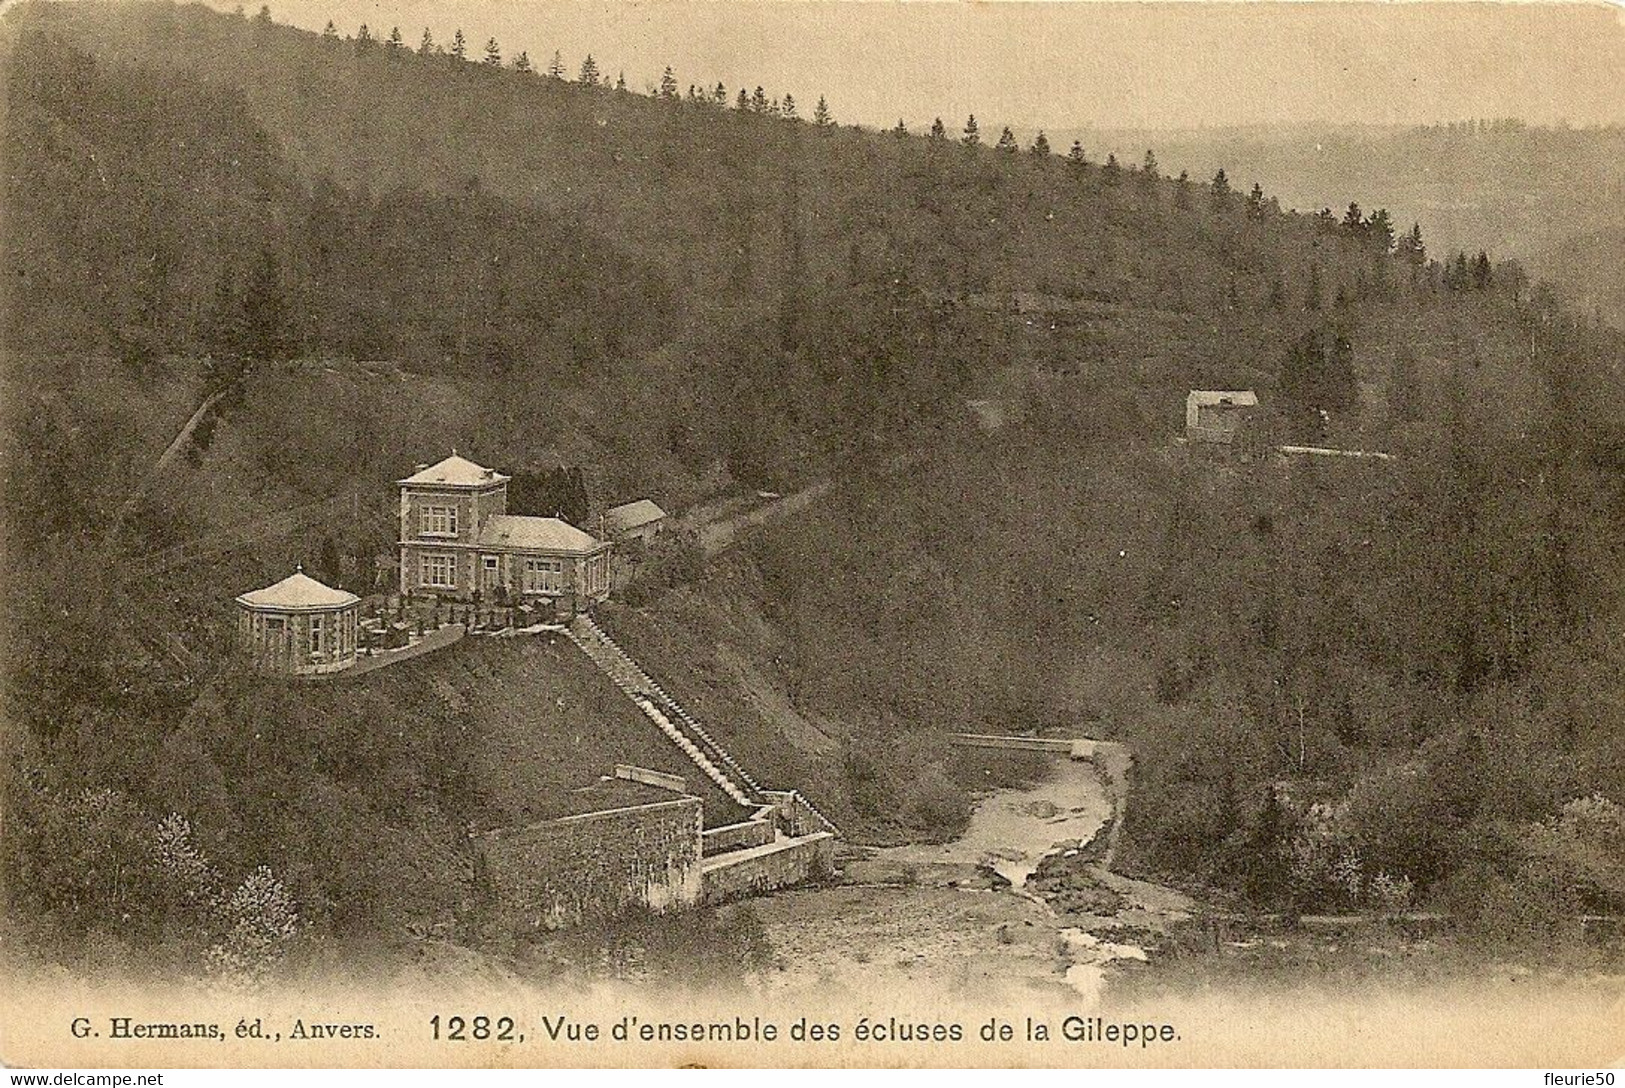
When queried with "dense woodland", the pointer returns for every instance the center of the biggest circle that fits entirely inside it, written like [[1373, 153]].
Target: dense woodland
[[1348, 684]]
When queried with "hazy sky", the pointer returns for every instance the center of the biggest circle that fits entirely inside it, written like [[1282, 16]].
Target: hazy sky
[[1068, 64]]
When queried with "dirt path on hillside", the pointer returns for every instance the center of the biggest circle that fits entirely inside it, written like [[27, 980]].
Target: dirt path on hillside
[[718, 535], [165, 459], [719, 522]]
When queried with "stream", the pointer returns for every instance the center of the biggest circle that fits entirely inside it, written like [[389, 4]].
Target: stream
[[1012, 830], [934, 915]]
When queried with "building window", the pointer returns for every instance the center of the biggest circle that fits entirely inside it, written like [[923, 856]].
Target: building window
[[437, 520], [273, 626], [544, 576], [439, 571], [317, 642]]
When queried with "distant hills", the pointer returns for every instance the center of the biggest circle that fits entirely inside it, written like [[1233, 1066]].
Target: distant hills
[[1553, 198]]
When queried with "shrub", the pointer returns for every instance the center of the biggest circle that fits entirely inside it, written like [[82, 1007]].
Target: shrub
[[1580, 853]]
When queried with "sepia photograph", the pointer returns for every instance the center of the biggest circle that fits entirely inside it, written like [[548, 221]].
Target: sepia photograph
[[781, 534]]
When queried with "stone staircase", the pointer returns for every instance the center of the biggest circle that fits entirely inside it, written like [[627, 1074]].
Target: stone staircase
[[666, 712], [699, 758]]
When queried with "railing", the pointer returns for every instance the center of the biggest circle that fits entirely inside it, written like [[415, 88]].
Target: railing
[[631, 680], [640, 680], [643, 690], [711, 770]]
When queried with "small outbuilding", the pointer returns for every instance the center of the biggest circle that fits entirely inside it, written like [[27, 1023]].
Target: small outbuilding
[[640, 520], [1216, 415], [298, 626]]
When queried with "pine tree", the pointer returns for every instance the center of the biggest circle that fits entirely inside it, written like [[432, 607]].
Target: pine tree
[[265, 311], [555, 67], [1221, 191], [719, 95], [1341, 383], [1255, 202], [668, 85], [973, 134], [328, 562], [1149, 174], [1041, 145], [1109, 173], [821, 115], [521, 63], [1458, 274], [363, 39], [459, 45], [247, 324], [395, 42], [589, 72], [225, 338], [758, 100], [620, 81], [1007, 142], [1379, 229], [939, 131], [901, 130], [1463, 270], [1405, 389], [1268, 853], [1411, 250], [330, 33], [1306, 387], [1075, 156], [1483, 274], [426, 46], [742, 103], [790, 106], [493, 53], [1182, 190], [1353, 222]]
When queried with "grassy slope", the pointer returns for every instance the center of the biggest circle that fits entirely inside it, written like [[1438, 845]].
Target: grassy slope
[[539, 721]]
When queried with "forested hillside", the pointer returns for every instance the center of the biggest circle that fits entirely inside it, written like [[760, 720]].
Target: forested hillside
[[1553, 196], [376, 254]]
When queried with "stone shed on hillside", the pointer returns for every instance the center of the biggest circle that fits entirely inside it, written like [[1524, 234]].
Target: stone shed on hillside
[[1217, 415], [639, 520]]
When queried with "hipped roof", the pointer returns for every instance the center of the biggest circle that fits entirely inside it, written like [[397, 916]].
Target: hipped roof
[[455, 471]]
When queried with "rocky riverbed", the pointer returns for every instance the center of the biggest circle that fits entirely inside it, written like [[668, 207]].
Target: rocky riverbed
[[1016, 907]]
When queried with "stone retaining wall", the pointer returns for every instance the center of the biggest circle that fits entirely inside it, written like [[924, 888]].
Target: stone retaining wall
[[766, 868], [795, 816], [756, 831], [580, 868]]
